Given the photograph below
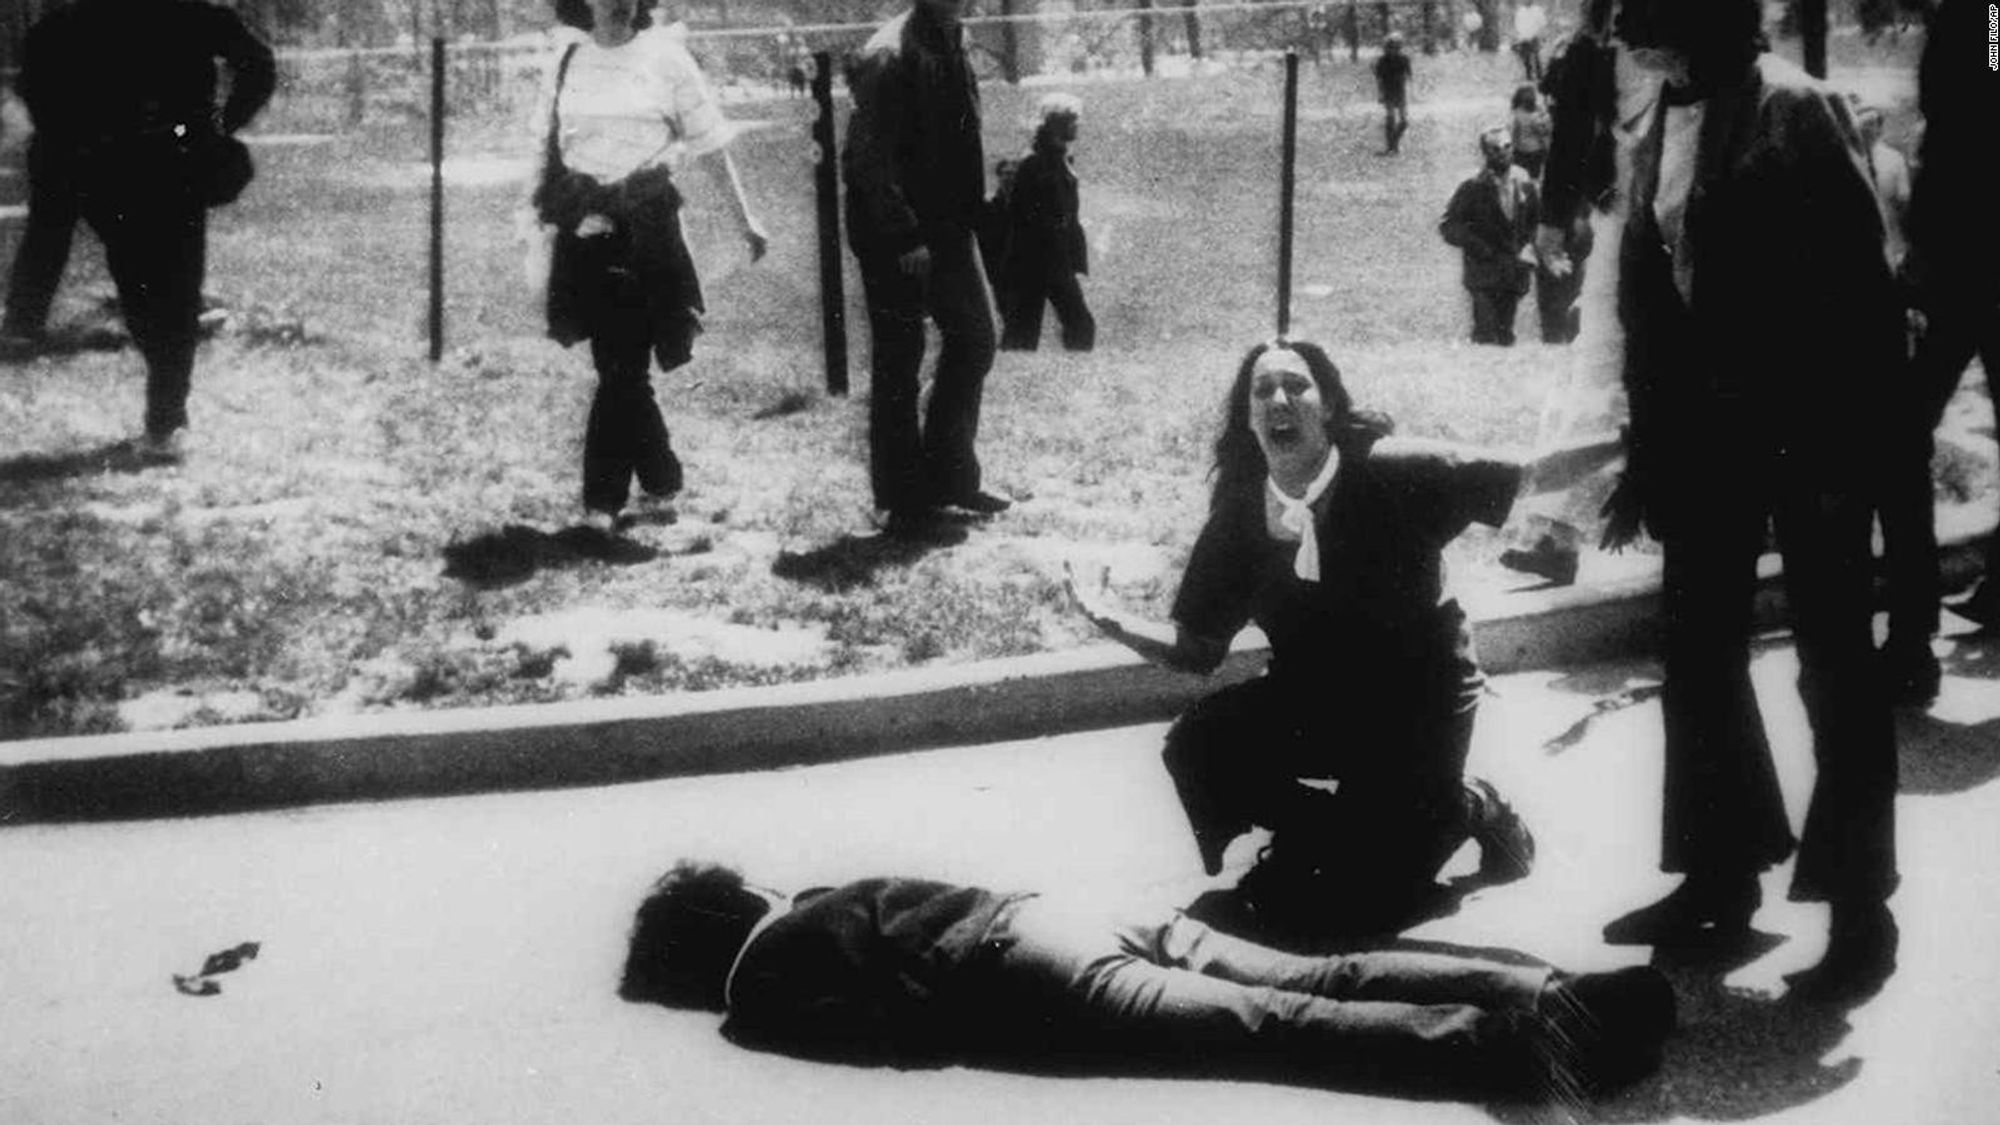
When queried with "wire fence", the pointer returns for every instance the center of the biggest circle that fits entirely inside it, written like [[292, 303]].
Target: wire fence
[[335, 89]]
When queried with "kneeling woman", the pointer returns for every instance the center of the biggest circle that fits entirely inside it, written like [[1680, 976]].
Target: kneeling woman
[[1328, 534]]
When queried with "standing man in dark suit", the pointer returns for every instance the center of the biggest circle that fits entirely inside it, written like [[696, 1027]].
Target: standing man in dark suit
[[1491, 219], [1763, 331], [916, 191], [127, 90]]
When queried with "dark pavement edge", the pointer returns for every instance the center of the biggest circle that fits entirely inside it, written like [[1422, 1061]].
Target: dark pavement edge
[[228, 769]]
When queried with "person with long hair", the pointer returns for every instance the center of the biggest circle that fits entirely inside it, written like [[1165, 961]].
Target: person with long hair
[[1046, 249], [627, 106], [1328, 534]]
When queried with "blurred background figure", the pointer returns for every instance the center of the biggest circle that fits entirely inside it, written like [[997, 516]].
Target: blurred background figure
[[1530, 20], [123, 98], [1046, 250], [1530, 129], [1392, 87]]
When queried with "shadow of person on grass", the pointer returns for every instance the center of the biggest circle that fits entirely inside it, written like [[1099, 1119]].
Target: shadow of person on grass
[[852, 560], [114, 457], [516, 553]]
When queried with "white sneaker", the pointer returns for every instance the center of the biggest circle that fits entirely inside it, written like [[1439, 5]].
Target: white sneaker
[[604, 523]]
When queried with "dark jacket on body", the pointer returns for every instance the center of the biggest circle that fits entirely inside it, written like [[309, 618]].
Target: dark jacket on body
[[914, 166]]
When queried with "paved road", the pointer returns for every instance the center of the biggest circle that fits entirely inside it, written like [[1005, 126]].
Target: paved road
[[455, 960]]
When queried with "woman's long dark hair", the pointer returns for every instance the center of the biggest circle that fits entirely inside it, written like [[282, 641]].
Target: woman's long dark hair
[[1240, 467], [576, 13]]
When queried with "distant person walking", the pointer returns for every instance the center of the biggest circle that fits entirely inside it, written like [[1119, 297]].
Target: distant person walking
[[1392, 87], [1046, 250], [1491, 219], [628, 104], [916, 189], [123, 98]]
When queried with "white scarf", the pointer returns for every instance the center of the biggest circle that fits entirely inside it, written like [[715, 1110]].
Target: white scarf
[[1296, 516]]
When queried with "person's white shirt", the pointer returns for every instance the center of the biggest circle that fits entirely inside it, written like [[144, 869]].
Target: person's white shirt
[[1529, 21], [641, 103]]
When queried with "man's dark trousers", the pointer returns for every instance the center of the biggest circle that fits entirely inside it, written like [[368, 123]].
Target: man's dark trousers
[[156, 244], [910, 467], [45, 242], [1493, 315], [1061, 289]]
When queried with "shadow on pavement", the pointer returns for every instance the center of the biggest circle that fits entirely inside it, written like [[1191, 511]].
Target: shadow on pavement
[[115, 457], [516, 553], [1946, 753], [1737, 1056], [852, 560]]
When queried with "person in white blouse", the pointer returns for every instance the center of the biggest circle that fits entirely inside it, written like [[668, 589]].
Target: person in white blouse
[[628, 110]]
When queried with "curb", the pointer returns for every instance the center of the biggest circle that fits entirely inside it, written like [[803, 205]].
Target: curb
[[231, 769]]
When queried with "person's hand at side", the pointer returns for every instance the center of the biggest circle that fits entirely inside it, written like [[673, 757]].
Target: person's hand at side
[[759, 242], [594, 225], [1551, 246], [915, 262]]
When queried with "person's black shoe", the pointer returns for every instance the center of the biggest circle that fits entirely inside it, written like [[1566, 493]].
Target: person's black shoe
[[1601, 1031], [1861, 943], [1911, 673], [1506, 847], [1546, 559], [918, 525], [980, 502], [1703, 911]]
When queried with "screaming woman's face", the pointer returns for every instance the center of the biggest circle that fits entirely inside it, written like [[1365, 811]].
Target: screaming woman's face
[[1287, 412]]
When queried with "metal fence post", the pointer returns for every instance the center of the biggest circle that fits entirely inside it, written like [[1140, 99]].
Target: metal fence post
[[1287, 181], [437, 198], [832, 286]]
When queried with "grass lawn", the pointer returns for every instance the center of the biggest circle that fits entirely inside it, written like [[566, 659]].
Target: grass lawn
[[357, 529]]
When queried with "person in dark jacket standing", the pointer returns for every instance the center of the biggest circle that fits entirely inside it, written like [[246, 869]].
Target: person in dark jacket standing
[[916, 189], [1491, 218], [1763, 332], [128, 91], [1046, 249]]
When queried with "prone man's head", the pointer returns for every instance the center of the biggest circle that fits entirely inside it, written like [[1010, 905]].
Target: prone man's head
[[687, 935]]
